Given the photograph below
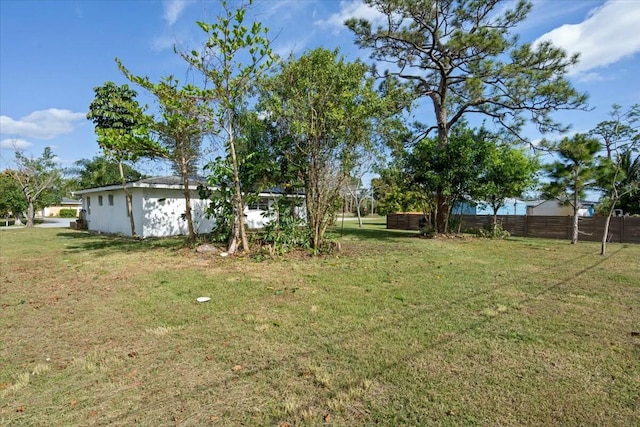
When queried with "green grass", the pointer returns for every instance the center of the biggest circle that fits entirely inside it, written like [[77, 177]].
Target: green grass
[[394, 330]]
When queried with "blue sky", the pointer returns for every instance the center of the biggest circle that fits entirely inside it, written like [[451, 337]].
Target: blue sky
[[53, 53]]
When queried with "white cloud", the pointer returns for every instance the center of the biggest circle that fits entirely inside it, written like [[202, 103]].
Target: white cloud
[[173, 9], [279, 9], [349, 9], [163, 43], [609, 34], [43, 124], [15, 144], [284, 49]]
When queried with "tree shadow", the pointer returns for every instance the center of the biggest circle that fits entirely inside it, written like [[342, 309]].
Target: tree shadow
[[372, 231], [102, 245]]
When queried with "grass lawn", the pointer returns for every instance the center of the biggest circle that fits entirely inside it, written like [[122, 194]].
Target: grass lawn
[[394, 330]]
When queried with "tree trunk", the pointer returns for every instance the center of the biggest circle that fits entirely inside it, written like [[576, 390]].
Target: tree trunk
[[605, 234], [358, 213], [442, 213], [234, 238], [129, 199], [443, 208], [238, 239], [574, 236], [30, 213], [187, 200]]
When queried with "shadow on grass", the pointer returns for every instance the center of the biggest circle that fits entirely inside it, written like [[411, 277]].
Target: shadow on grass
[[105, 244], [374, 231], [453, 336]]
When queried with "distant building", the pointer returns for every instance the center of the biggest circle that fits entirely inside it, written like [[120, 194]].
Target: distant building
[[66, 203], [555, 207], [510, 207]]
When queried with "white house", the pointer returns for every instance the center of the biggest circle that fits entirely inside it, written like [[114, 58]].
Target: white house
[[555, 207], [158, 208]]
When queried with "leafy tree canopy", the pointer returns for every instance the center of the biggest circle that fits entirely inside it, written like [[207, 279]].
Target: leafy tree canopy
[[328, 109], [39, 179], [99, 172], [11, 198]]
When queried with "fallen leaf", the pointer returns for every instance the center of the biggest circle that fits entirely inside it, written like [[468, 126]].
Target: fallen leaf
[[327, 418], [236, 368], [73, 403], [20, 409], [133, 354]]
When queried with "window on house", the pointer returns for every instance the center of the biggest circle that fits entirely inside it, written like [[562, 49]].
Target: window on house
[[262, 204], [99, 200], [110, 199], [89, 205]]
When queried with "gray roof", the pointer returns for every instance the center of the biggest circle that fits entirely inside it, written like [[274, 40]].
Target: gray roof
[[173, 182], [68, 201]]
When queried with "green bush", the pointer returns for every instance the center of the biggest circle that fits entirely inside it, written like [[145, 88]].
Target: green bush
[[6, 222], [68, 213], [488, 232], [287, 231]]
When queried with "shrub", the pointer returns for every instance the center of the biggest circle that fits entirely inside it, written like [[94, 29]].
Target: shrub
[[488, 232], [426, 228], [68, 213], [287, 231]]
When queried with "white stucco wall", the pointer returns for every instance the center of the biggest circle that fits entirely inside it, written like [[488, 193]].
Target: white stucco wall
[[107, 218], [157, 212], [163, 211], [555, 208]]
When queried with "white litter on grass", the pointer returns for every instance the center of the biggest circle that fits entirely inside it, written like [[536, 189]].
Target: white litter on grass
[[203, 299], [224, 254]]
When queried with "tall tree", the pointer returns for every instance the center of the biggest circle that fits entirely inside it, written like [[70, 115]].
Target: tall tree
[[100, 171], [11, 198], [35, 177], [120, 127], [233, 57], [328, 108], [450, 173], [178, 129], [463, 57], [573, 174], [619, 168], [509, 173]]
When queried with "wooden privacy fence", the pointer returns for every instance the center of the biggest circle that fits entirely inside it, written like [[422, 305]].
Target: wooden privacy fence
[[622, 229]]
